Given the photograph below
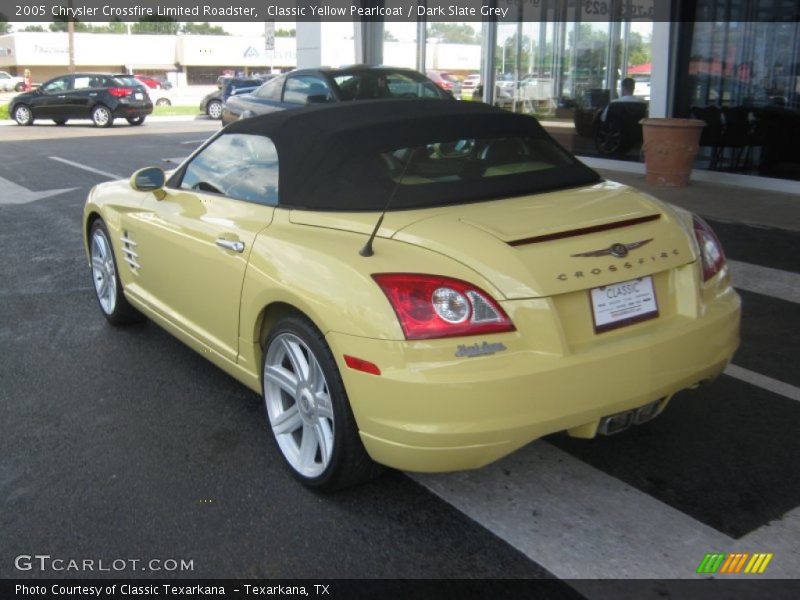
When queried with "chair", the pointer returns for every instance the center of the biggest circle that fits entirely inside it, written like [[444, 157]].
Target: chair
[[711, 136], [621, 130]]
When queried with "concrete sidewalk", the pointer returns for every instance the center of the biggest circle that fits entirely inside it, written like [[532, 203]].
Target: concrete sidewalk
[[762, 208]]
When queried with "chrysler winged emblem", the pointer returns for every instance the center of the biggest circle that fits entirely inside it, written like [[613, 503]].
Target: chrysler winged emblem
[[617, 249]]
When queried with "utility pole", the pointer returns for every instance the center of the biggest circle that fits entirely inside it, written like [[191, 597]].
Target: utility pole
[[71, 38]]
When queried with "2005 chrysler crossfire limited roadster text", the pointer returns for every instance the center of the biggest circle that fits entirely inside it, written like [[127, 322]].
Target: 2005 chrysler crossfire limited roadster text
[[420, 284]]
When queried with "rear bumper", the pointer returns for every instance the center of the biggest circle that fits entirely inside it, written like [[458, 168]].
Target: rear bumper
[[125, 111], [429, 411]]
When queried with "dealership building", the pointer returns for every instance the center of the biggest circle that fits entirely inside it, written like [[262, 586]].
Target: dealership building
[[732, 63]]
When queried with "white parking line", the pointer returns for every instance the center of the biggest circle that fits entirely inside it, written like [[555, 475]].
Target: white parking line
[[784, 285], [768, 383], [193, 142], [578, 522], [86, 168]]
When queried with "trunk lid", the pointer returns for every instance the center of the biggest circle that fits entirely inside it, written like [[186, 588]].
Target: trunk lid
[[559, 242], [526, 246]]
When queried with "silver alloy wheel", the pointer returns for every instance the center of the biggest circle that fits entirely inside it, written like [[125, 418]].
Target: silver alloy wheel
[[100, 116], [104, 274], [163, 102], [298, 405], [215, 110], [22, 114]]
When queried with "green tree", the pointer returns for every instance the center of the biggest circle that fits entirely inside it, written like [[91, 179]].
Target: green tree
[[454, 33], [34, 28], [5, 26], [285, 33], [60, 24], [156, 25], [203, 29], [640, 51]]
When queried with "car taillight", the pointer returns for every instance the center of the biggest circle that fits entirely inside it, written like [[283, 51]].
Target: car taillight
[[711, 254], [119, 92], [431, 306]]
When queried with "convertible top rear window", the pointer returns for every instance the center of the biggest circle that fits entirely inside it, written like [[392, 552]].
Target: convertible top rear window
[[422, 153]]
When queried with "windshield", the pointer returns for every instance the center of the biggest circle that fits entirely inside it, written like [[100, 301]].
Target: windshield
[[470, 159], [372, 85]]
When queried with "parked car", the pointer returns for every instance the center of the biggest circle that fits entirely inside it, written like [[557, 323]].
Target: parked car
[[421, 284], [503, 98], [469, 84], [445, 81], [154, 83], [11, 83], [317, 86], [211, 104], [101, 97]]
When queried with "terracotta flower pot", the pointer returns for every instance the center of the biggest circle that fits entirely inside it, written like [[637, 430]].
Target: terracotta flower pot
[[670, 147]]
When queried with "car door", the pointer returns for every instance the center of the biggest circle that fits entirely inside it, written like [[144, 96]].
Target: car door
[[51, 102], [83, 95], [193, 245]]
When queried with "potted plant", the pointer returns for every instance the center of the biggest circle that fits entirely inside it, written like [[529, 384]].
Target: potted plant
[[670, 147]]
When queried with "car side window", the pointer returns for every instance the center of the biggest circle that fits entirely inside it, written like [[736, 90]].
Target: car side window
[[237, 165], [271, 90], [300, 87], [84, 82], [57, 85]]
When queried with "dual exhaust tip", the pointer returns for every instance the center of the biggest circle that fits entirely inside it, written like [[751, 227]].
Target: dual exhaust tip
[[621, 421]]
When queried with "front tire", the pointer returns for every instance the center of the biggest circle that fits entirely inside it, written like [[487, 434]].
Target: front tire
[[308, 409], [214, 109], [107, 284], [136, 121], [102, 117], [23, 115], [163, 102]]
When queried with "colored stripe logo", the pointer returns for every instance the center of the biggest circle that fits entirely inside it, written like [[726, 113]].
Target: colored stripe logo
[[734, 562]]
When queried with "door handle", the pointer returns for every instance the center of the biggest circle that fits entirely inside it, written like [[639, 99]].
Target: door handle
[[230, 245]]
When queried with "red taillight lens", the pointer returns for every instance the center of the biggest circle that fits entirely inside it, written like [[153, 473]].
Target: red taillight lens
[[711, 253], [118, 92], [430, 306]]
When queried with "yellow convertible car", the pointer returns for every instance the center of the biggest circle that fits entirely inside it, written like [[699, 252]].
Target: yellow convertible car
[[420, 284]]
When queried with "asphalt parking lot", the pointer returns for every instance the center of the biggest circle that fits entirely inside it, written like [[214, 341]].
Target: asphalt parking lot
[[123, 443]]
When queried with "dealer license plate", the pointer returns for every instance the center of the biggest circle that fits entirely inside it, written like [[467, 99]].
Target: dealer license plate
[[623, 303], [139, 96]]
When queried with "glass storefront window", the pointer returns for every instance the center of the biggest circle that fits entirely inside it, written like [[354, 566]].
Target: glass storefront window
[[743, 79]]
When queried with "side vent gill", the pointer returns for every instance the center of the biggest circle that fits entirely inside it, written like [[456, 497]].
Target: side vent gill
[[128, 249]]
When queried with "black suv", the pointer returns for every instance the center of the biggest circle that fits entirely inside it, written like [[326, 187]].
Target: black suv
[[101, 97]]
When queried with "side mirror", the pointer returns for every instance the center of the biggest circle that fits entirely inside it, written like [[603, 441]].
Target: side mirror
[[149, 179]]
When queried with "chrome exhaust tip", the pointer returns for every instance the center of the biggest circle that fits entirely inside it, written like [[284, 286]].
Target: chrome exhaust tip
[[621, 421], [615, 423]]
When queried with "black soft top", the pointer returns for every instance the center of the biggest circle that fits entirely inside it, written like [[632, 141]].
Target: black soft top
[[326, 153]]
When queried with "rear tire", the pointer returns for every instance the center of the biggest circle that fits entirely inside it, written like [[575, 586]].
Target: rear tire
[[135, 121], [308, 410], [23, 115], [60, 122], [102, 117], [163, 102]]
